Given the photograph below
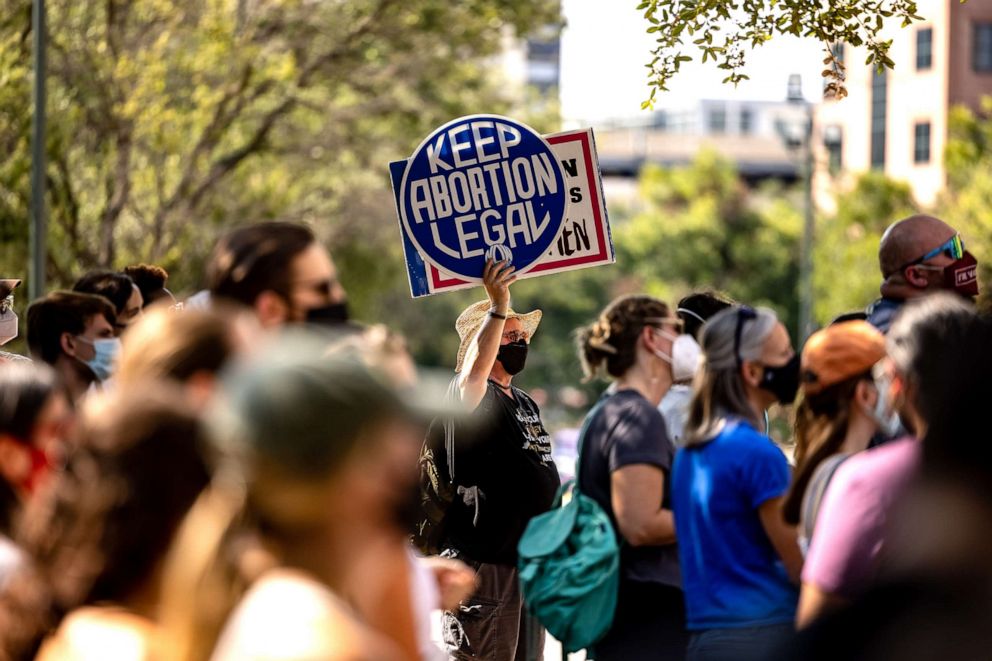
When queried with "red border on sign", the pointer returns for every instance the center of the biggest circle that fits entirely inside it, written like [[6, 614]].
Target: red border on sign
[[583, 137]]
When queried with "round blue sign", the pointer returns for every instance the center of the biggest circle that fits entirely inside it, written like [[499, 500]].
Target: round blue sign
[[483, 186]]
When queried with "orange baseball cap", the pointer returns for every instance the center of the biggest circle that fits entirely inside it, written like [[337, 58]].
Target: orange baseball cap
[[839, 352]]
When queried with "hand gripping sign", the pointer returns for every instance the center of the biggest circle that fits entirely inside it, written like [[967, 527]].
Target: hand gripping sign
[[487, 186]]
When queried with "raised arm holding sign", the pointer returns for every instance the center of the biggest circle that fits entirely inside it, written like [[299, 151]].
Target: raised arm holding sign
[[480, 359]]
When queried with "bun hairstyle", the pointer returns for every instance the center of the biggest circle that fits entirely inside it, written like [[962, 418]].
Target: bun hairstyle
[[608, 346]]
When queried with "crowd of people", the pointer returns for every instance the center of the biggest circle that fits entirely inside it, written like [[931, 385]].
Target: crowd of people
[[250, 474]]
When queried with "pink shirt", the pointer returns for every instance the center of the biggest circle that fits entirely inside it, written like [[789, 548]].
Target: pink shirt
[[851, 527]]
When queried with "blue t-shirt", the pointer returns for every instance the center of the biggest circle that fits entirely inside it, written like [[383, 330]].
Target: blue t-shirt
[[731, 574]]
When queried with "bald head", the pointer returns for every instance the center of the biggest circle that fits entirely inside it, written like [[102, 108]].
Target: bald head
[[909, 239]]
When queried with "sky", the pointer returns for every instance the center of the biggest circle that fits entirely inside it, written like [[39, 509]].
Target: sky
[[604, 49]]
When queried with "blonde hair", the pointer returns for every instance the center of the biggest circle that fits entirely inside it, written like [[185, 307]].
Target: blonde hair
[[166, 344]]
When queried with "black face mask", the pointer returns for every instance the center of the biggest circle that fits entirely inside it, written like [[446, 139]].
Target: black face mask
[[783, 380], [328, 315], [513, 356]]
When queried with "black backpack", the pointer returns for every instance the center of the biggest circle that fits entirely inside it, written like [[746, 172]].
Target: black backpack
[[437, 482]]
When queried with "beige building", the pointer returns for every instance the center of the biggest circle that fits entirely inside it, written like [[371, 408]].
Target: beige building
[[896, 122]]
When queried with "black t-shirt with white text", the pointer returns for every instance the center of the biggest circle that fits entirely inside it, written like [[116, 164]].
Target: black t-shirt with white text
[[504, 476]]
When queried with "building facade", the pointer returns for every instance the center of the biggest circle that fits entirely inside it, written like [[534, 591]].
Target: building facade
[[896, 121]]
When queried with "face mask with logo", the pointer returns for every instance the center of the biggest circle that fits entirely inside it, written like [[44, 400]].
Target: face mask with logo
[[107, 350], [685, 356], [782, 381], [961, 276], [884, 414], [328, 315], [513, 356]]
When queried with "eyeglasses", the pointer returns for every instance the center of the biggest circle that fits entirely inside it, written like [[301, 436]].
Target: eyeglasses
[[744, 313], [323, 287], [515, 336], [953, 248]]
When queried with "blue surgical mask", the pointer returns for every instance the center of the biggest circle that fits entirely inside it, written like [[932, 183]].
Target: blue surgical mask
[[107, 350]]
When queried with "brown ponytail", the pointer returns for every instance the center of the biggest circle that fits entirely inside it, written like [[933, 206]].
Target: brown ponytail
[[609, 344], [820, 428]]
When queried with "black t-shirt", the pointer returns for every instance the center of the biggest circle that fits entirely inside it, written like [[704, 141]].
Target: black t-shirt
[[504, 476], [627, 430]]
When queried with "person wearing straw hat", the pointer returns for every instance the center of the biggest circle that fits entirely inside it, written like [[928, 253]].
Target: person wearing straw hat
[[497, 468]]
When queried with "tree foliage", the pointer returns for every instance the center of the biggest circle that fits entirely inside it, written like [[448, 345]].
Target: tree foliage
[[171, 120], [703, 228], [846, 274], [968, 198], [724, 30]]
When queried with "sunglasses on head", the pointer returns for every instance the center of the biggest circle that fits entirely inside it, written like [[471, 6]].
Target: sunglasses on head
[[953, 248], [744, 313]]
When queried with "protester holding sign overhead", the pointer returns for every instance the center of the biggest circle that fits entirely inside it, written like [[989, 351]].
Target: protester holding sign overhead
[[493, 472]]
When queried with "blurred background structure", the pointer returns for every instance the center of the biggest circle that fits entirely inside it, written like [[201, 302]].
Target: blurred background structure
[[171, 121]]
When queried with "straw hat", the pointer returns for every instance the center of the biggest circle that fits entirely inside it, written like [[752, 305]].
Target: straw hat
[[470, 321]]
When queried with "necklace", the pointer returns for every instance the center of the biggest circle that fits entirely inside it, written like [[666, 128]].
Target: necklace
[[500, 385]]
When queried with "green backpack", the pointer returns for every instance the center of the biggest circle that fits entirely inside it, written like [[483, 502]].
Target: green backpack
[[569, 563]]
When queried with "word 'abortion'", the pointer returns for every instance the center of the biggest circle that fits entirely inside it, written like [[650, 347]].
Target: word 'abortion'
[[479, 186]]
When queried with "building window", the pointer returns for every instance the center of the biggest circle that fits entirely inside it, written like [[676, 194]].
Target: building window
[[833, 140], [924, 48], [747, 121], [716, 120], [981, 53], [921, 142], [879, 108]]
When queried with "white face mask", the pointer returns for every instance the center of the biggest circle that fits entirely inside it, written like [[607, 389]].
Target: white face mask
[[8, 321], [685, 356], [885, 416]]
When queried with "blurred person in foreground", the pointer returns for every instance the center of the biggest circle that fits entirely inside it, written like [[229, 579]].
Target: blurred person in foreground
[[488, 476], [840, 411], [74, 333], [694, 310], [740, 561], [317, 457], [395, 590], [935, 584], [625, 466], [97, 536], [117, 288], [852, 529], [918, 256], [150, 281], [281, 272], [190, 347], [35, 420]]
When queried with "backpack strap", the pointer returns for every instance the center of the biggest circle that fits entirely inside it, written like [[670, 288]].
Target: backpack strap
[[817, 489]]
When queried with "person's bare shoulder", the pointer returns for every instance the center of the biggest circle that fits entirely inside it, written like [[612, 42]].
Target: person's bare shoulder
[[289, 616]]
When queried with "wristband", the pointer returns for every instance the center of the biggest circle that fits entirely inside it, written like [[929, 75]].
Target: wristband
[[497, 315]]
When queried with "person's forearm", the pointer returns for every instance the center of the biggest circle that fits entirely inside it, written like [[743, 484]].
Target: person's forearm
[[487, 347], [656, 529]]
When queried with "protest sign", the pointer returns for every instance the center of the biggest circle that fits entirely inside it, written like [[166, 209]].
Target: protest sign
[[582, 240]]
